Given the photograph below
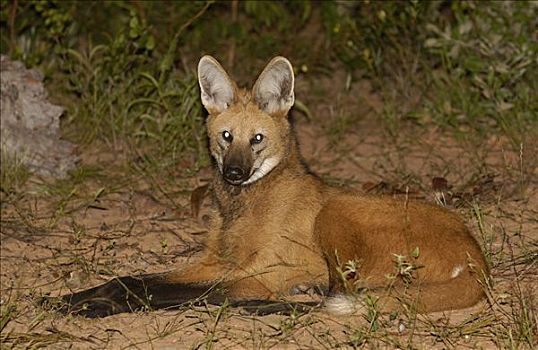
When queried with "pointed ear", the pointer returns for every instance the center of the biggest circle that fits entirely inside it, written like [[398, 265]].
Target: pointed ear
[[273, 91], [217, 89]]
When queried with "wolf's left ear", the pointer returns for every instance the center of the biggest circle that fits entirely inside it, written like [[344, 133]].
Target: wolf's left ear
[[273, 91]]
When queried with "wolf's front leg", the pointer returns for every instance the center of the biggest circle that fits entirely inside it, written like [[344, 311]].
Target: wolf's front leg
[[201, 279], [207, 279], [131, 293]]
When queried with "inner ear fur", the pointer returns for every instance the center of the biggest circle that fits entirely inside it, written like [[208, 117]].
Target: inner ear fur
[[218, 91], [273, 91]]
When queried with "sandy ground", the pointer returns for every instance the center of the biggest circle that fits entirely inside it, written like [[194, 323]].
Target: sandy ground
[[135, 229]]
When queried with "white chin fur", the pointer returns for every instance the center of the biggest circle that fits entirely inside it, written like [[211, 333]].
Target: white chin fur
[[264, 169], [342, 305]]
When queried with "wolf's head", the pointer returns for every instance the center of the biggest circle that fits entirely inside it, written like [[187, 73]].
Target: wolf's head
[[249, 134]]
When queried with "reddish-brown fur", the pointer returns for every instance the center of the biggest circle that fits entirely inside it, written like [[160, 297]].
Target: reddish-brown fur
[[286, 229], [377, 228]]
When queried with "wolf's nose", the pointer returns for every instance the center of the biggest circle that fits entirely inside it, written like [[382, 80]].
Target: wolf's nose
[[234, 173]]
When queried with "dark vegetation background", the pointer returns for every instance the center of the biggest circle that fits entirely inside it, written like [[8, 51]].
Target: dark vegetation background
[[459, 75], [125, 70]]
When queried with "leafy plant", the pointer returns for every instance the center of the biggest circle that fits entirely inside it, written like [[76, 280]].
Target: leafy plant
[[487, 74]]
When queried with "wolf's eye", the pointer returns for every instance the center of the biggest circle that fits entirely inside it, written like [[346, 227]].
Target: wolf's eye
[[256, 139], [227, 136]]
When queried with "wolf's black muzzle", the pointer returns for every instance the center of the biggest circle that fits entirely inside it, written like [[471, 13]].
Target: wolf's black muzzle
[[235, 174]]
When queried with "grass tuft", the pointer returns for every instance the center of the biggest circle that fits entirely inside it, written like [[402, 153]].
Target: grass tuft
[[13, 175]]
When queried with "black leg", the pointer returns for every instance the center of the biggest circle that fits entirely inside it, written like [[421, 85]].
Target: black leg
[[153, 291], [131, 293]]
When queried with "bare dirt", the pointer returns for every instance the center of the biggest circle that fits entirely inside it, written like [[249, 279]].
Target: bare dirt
[[135, 229]]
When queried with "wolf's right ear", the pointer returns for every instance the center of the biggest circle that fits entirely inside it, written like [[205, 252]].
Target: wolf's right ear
[[217, 89]]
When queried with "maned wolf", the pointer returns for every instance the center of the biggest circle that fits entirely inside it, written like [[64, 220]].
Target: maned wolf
[[278, 230]]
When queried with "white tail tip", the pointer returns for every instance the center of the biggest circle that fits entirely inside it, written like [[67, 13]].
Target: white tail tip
[[343, 305]]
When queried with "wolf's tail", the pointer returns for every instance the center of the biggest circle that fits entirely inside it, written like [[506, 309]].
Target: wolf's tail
[[448, 295]]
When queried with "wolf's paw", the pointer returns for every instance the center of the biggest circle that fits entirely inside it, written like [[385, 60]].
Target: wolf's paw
[[91, 308], [125, 294]]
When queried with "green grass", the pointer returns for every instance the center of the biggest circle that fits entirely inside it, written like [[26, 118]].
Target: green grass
[[13, 175], [126, 72]]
